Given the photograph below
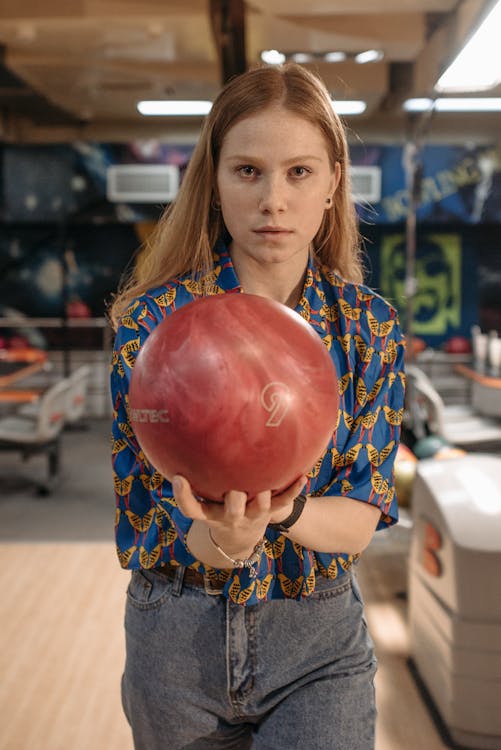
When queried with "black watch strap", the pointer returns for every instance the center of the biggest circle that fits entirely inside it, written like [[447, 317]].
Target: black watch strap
[[291, 519]]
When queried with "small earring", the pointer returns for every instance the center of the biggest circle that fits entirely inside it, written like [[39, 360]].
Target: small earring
[[328, 201]]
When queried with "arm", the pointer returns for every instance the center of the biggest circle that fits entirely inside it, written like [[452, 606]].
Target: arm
[[149, 528], [335, 523], [326, 523], [236, 525], [360, 495]]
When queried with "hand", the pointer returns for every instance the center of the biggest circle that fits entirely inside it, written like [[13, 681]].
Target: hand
[[238, 522]]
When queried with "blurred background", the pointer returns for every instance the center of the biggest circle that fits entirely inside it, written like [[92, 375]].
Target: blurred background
[[101, 104]]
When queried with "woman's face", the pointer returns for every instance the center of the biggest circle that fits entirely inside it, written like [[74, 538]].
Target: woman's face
[[273, 180]]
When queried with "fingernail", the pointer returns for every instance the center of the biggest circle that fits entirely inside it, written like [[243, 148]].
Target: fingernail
[[176, 484]]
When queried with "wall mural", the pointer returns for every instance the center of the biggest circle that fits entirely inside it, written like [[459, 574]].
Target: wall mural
[[39, 267], [460, 184], [63, 242], [437, 303]]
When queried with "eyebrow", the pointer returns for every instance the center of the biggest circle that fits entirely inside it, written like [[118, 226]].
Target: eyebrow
[[301, 157]]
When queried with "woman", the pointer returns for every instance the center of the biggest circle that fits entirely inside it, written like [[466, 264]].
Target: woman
[[244, 622]]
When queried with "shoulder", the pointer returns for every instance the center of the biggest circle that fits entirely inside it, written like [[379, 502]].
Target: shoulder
[[151, 307], [359, 307], [358, 295]]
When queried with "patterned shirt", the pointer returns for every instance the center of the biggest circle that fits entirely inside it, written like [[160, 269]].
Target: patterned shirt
[[362, 335]]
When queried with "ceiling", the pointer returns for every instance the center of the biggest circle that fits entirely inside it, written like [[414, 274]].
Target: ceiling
[[76, 68]]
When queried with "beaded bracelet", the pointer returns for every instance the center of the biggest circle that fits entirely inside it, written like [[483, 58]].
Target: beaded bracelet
[[249, 563]]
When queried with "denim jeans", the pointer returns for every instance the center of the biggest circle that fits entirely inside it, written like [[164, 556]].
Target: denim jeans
[[202, 672]]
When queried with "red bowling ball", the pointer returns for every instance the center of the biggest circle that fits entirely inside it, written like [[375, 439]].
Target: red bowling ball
[[234, 391], [457, 345]]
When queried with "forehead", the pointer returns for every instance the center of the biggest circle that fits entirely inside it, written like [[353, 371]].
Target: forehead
[[272, 128]]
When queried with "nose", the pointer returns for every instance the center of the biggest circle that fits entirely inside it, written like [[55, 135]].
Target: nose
[[273, 197]]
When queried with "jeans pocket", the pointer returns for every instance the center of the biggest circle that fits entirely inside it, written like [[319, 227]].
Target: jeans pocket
[[148, 589], [328, 588]]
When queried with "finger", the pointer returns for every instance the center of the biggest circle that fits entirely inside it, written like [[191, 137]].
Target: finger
[[235, 504], [259, 505], [188, 503], [293, 489], [283, 499]]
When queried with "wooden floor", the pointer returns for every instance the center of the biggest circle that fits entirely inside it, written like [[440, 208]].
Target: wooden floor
[[404, 720], [62, 603], [62, 650]]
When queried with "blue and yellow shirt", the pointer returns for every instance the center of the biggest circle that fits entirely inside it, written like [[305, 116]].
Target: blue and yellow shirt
[[361, 332]]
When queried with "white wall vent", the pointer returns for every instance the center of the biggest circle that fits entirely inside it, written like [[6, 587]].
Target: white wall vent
[[159, 183], [366, 184], [142, 183]]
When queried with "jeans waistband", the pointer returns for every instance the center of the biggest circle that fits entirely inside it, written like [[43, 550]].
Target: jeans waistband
[[212, 585]]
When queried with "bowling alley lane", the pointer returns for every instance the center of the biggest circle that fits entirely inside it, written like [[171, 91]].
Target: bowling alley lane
[[62, 647]]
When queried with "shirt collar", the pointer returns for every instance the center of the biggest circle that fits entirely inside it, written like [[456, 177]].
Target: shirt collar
[[227, 280], [226, 277]]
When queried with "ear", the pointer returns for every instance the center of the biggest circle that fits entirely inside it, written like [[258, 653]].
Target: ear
[[335, 178]]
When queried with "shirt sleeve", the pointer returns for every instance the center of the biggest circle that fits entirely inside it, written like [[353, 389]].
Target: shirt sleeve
[[371, 414], [149, 528]]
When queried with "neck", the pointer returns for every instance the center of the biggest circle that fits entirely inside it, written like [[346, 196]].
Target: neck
[[286, 296], [281, 282]]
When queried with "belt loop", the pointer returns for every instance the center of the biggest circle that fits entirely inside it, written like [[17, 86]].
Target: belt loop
[[212, 588], [177, 581]]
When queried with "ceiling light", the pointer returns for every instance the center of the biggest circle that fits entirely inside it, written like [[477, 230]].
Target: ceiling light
[[454, 104], [334, 57], [272, 57], [348, 107], [417, 105], [302, 57], [370, 55], [478, 65], [171, 107]]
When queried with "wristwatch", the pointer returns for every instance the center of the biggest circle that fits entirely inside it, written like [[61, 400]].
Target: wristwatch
[[297, 509]]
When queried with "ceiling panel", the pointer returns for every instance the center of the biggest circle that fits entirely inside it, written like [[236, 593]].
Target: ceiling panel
[[88, 62]]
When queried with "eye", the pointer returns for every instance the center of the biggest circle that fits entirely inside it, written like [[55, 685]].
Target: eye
[[299, 171], [247, 170]]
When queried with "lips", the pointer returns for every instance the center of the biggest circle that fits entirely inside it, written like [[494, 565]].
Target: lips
[[272, 230]]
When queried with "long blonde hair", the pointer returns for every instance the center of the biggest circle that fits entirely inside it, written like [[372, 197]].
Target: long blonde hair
[[185, 235]]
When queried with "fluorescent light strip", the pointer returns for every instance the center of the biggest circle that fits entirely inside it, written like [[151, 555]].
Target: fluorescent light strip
[[454, 104], [302, 57], [273, 57], [334, 57], [369, 56], [348, 106], [478, 65], [171, 108], [189, 107]]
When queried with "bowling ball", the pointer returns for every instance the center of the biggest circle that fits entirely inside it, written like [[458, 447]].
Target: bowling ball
[[416, 345], [77, 308], [428, 446], [404, 453], [449, 451], [234, 392], [405, 473], [457, 345]]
